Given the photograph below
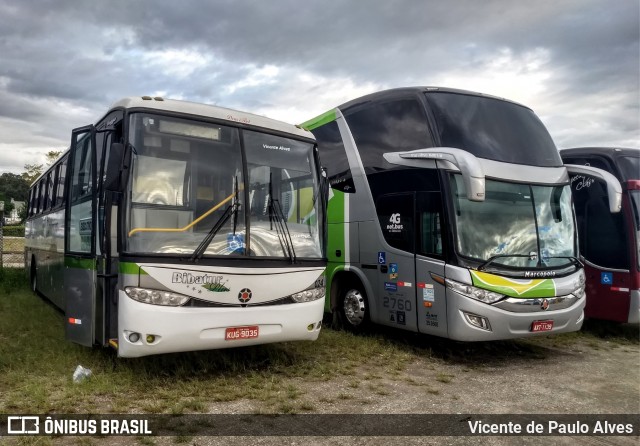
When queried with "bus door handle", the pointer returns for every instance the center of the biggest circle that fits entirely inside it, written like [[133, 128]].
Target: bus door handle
[[384, 269], [107, 276]]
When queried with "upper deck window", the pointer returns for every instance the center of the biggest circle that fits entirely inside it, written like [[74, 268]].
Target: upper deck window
[[492, 129]]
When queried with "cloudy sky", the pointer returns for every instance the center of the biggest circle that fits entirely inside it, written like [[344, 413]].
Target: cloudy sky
[[62, 63]]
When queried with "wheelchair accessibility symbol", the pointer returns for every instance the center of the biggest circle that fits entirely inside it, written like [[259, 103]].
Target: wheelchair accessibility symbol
[[606, 278], [382, 257]]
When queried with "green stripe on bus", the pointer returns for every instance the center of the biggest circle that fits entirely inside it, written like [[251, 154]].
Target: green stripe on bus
[[130, 268], [316, 122], [74, 262]]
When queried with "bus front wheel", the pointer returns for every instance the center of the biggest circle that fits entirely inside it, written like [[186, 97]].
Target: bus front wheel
[[354, 310]]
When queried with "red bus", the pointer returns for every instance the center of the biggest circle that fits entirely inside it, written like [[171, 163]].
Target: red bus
[[609, 242]]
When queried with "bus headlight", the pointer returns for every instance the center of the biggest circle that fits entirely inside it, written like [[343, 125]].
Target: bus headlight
[[314, 292], [156, 297], [486, 296], [579, 292]]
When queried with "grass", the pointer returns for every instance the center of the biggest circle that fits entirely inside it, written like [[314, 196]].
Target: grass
[[36, 365]]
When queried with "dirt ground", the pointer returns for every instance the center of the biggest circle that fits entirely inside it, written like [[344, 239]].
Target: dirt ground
[[577, 375], [582, 375]]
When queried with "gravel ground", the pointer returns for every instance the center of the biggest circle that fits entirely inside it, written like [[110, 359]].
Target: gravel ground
[[575, 375]]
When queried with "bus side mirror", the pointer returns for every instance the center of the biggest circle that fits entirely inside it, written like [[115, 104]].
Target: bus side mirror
[[614, 189], [115, 167], [467, 163]]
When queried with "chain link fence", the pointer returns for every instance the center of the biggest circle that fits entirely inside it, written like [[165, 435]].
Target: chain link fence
[[11, 250]]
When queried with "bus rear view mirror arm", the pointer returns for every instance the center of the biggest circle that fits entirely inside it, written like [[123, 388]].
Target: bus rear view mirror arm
[[614, 189], [469, 165]]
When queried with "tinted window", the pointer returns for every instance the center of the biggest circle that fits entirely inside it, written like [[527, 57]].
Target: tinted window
[[492, 129], [395, 215], [62, 175], [388, 127], [49, 197], [601, 234], [333, 157], [41, 194], [429, 215], [403, 180], [82, 181], [593, 161], [630, 167]]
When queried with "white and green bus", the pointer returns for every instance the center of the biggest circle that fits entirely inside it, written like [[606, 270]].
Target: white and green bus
[[449, 214], [171, 226]]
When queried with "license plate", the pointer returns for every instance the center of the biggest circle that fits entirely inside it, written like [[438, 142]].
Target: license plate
[[234, 333], [541, 326]]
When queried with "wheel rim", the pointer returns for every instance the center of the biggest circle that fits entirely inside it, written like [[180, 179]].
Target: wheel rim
[[354, 307]]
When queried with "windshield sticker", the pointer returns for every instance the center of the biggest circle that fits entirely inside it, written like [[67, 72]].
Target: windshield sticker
[[395, 226], [388, 286], [428, 293], [283, 148], [393, 267], [514, 287], [580, 182]]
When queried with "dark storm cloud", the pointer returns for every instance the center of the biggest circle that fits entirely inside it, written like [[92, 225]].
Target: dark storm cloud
[[84, 55]]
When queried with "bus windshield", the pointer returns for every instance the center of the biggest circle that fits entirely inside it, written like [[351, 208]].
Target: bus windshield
[[189, 191], [492, 129], [526, 226]]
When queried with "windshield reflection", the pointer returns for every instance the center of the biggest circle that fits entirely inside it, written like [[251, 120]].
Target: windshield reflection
[[186, 175], [535, 222]]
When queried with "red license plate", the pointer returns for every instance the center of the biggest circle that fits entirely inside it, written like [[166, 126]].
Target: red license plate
[[235, 333], [541, 326]]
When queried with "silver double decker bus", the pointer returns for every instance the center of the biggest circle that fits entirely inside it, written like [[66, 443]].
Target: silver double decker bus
[[450, 214]]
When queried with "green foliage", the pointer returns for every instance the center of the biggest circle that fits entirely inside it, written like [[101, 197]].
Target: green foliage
[[33, 171], [13, 186], [13, 231]]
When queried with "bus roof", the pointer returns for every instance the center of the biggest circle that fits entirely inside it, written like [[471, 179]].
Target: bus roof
[[603, 151], [210, 111], [619, 160], [197, 109], [389, 94]]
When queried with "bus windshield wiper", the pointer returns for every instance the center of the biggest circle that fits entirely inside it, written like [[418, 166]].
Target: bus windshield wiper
[[228, 212], [282, 230], [574, 260], [489, 261]]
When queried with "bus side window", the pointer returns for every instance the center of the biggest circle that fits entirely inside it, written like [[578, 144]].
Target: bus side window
[[395, 214], [333, 157], [62, 174], [429, 208], [391, 126], [603, 239]]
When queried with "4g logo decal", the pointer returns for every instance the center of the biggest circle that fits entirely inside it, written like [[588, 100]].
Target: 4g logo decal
[[394, 223]]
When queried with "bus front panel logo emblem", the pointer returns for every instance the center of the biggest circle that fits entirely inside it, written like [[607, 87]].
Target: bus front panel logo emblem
[[244, 295], [545, 305]]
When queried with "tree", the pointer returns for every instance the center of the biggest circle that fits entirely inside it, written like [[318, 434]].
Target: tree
[[22, 213], [13, 186], [33, 171]]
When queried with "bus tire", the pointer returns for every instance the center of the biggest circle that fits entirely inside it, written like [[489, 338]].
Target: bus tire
[[354, 309], [33, 277]]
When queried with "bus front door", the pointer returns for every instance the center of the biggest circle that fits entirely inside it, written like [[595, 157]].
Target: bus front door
[[80, 225], [431, 306]]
